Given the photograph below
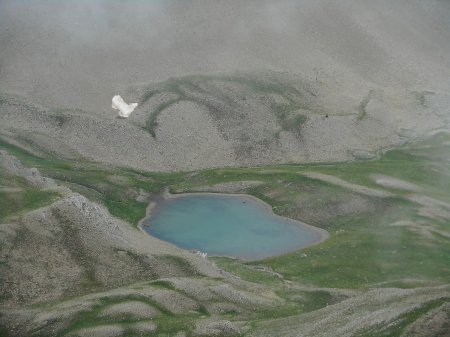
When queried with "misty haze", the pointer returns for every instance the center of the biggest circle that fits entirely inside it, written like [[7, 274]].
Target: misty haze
[[225, 168]]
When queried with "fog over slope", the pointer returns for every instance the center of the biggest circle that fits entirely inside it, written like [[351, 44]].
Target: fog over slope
[[80, 53]]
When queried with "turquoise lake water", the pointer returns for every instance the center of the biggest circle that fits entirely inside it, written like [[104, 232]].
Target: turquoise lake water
[[236, 226]]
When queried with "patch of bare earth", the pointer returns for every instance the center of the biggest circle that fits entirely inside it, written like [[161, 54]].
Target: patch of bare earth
[[371, 192], [130, 309], [391, 182]]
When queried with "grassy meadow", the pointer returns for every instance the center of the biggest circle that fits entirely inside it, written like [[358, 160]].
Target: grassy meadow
[[380, 235]]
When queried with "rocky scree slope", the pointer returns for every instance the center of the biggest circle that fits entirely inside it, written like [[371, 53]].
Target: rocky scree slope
[[74, 245], [203, 121]]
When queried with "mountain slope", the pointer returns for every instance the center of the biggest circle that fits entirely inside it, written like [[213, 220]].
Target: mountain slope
[[81, 54], [196, 122]]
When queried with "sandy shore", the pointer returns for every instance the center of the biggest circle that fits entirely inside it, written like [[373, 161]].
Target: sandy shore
[[166, 195]]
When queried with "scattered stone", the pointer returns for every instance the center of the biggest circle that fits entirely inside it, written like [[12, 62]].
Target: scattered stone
[[130, 310], [98, 331], [363, 154], [434, 323], [32, 175], [144, 327], [216, 328], [175, 302]]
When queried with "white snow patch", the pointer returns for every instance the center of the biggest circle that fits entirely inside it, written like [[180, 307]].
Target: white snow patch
[[125, 109]]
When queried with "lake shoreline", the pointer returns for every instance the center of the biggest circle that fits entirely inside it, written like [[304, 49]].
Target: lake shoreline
[[166, 195]]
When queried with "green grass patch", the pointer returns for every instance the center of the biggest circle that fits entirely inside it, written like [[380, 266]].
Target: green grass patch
[[131, 211], [96, 181], [366, 252], [162, 284], [167, 323], [92, 318], [245, 272], [362, 251], [13, 203], [287, 118], [202, 310], [314, 300]]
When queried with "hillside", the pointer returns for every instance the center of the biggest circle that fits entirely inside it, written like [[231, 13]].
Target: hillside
[[230, 84], [70, 268], [333, 113], [196, 122], [68, 55]]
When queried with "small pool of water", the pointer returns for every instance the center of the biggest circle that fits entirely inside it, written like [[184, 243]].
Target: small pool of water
[[234, 225]]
